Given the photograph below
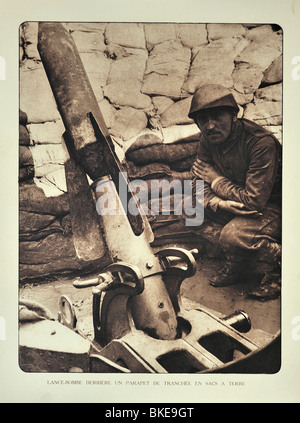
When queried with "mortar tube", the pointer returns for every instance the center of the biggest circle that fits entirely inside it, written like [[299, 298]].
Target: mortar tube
[[152, 310], [73, 93], [87, 137]]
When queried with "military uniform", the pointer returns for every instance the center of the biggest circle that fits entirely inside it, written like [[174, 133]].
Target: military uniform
[[249, 162]]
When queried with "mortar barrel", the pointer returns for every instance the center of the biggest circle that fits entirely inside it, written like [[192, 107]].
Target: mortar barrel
[[125, 236]]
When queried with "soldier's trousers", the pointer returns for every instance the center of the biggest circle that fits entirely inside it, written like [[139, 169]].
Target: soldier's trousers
[[239, 235]]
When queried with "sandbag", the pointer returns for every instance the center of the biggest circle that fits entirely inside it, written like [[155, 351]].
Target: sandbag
[[108, 112], [54, 247], [54, 255], [162, 184], [160, 221], [32, 199], [218, 31], [242, 99], [166, 203], [125, 34], [166, 70], [31, 51], [172, 134], [36, 97], [35, 226], [47, 158], [163, 85], [184, 165], [145, 140], [23, 119], [177, 133], [158, 33], [88, 41], [273, 74], [247, 79], [128, 68], [262, 51], [97, 67], [264, 113], [149, 171], [260, 32], [26, 173], [62, 266], [85, 26], [128, 123], [270, 93], [254, 60], [25, 156], [213, 63], [29, 33], [191, 35], [24, 137], [165, 153], [128, 94], [53, 183], [161, 103], [46, 133], [176, 234], [177, 113]]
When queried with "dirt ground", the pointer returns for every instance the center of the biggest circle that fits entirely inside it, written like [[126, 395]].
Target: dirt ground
[[264, 315], [195, 291]]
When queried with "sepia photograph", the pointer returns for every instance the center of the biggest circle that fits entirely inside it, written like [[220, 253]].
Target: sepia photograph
[[150, 187]]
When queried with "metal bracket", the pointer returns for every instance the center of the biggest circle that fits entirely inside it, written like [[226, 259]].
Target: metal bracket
[[179, 264], [111, 314], [67, 315]]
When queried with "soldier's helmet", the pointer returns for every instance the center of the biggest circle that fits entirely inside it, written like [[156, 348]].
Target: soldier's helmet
[[210, 96]]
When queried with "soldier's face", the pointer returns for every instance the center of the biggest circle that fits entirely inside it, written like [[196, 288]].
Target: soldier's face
[[215, 124]]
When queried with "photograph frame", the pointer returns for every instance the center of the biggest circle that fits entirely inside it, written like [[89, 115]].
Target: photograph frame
[[216, 388]]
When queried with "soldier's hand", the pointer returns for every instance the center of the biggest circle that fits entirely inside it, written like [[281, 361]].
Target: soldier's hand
[[205, 171], [237, 208]]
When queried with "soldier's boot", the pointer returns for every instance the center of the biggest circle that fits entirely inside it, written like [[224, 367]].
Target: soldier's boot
[[270, 252], [230, 274], [270, 285]]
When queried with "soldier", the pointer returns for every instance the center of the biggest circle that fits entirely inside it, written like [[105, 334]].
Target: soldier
[[240, 163]]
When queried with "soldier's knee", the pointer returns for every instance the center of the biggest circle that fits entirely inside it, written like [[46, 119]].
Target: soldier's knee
[[228, 236]]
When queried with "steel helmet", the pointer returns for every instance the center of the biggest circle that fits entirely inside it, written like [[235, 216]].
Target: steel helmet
[[212, 95]]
